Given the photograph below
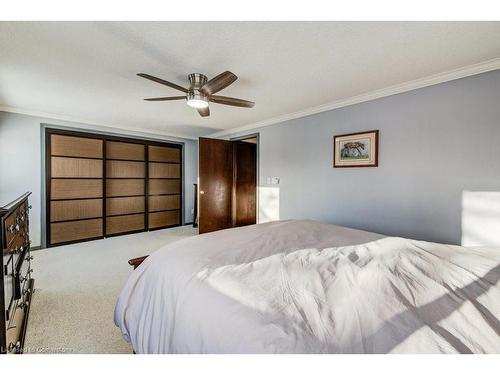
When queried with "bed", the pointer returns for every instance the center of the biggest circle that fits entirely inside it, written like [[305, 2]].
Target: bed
[[308, 287]]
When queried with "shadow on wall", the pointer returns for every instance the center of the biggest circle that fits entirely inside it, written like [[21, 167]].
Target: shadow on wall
[[480, 218], [269, 204]]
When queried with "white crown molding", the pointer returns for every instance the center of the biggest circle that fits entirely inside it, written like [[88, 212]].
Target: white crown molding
[[435, 79], [116, 128], [451, 75]]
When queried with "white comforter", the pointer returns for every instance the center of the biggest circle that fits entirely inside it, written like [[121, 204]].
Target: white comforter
[[308, 287]]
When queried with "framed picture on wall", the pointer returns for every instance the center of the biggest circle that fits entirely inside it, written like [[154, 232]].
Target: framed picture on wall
[[356, 150]]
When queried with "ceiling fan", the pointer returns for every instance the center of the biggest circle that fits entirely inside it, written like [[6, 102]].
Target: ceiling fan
[[201, 91]]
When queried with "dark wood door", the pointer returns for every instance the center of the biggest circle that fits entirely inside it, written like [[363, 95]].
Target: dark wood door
[[245, 183], [216, 184]]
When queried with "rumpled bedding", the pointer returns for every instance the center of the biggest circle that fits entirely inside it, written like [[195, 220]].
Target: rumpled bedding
[[308, 287]]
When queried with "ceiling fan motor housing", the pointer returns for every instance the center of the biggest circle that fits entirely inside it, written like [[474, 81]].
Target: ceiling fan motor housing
[[196, 81], [194, 97]]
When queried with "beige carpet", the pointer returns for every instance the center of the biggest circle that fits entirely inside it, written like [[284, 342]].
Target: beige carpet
[[76, 288]]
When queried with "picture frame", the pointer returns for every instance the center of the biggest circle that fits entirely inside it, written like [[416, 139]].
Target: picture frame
[[356, 149]]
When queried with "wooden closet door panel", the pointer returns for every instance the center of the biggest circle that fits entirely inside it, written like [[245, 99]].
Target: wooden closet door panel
[[125, 169], [73, 167], [71, 189], [125, 202], [126, 205], [75, 209], [164, 202], [123, 187], [63, 145], [165, 154], [123, 224], [164, 187], [125, 151], [164, 170], [164, 219], [75, 230], [245, 183], [216, 184]]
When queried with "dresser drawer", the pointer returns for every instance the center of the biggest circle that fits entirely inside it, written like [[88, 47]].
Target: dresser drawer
[[18, 274], [18, 320], [17, 316], [17, 250], [14, 327], [15, 246], [11, 229], [16, 226]]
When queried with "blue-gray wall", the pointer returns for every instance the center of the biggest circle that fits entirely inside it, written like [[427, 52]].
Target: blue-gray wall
[[21, 158], [435, 143]]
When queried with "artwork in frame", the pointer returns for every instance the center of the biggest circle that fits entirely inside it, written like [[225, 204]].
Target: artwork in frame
[[356, 150]]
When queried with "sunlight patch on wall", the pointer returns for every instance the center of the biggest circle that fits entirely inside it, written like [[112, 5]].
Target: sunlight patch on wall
[[480, 218], [269, 204]]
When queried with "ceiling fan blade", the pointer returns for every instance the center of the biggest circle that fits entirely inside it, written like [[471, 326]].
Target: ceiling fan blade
[[165, 98], [218, 83], [204, 112], [231, 101], [162, 81]]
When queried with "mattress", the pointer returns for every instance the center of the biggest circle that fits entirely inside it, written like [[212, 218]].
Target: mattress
[[309, 287]]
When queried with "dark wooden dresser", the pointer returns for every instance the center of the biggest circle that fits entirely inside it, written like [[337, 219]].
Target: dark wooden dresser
[[16, 286]]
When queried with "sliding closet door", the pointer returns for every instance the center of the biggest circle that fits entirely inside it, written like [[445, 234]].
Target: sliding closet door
[[164, 186], [100, 186], [74, 188], [125, 187]]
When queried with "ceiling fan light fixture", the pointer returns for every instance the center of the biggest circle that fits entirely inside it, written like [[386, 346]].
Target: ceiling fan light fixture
[[197, 103], [197, 100]]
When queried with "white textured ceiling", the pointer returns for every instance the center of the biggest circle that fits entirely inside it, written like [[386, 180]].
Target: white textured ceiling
[[87, 70]]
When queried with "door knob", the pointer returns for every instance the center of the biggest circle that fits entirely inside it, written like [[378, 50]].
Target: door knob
[[202, 192]]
